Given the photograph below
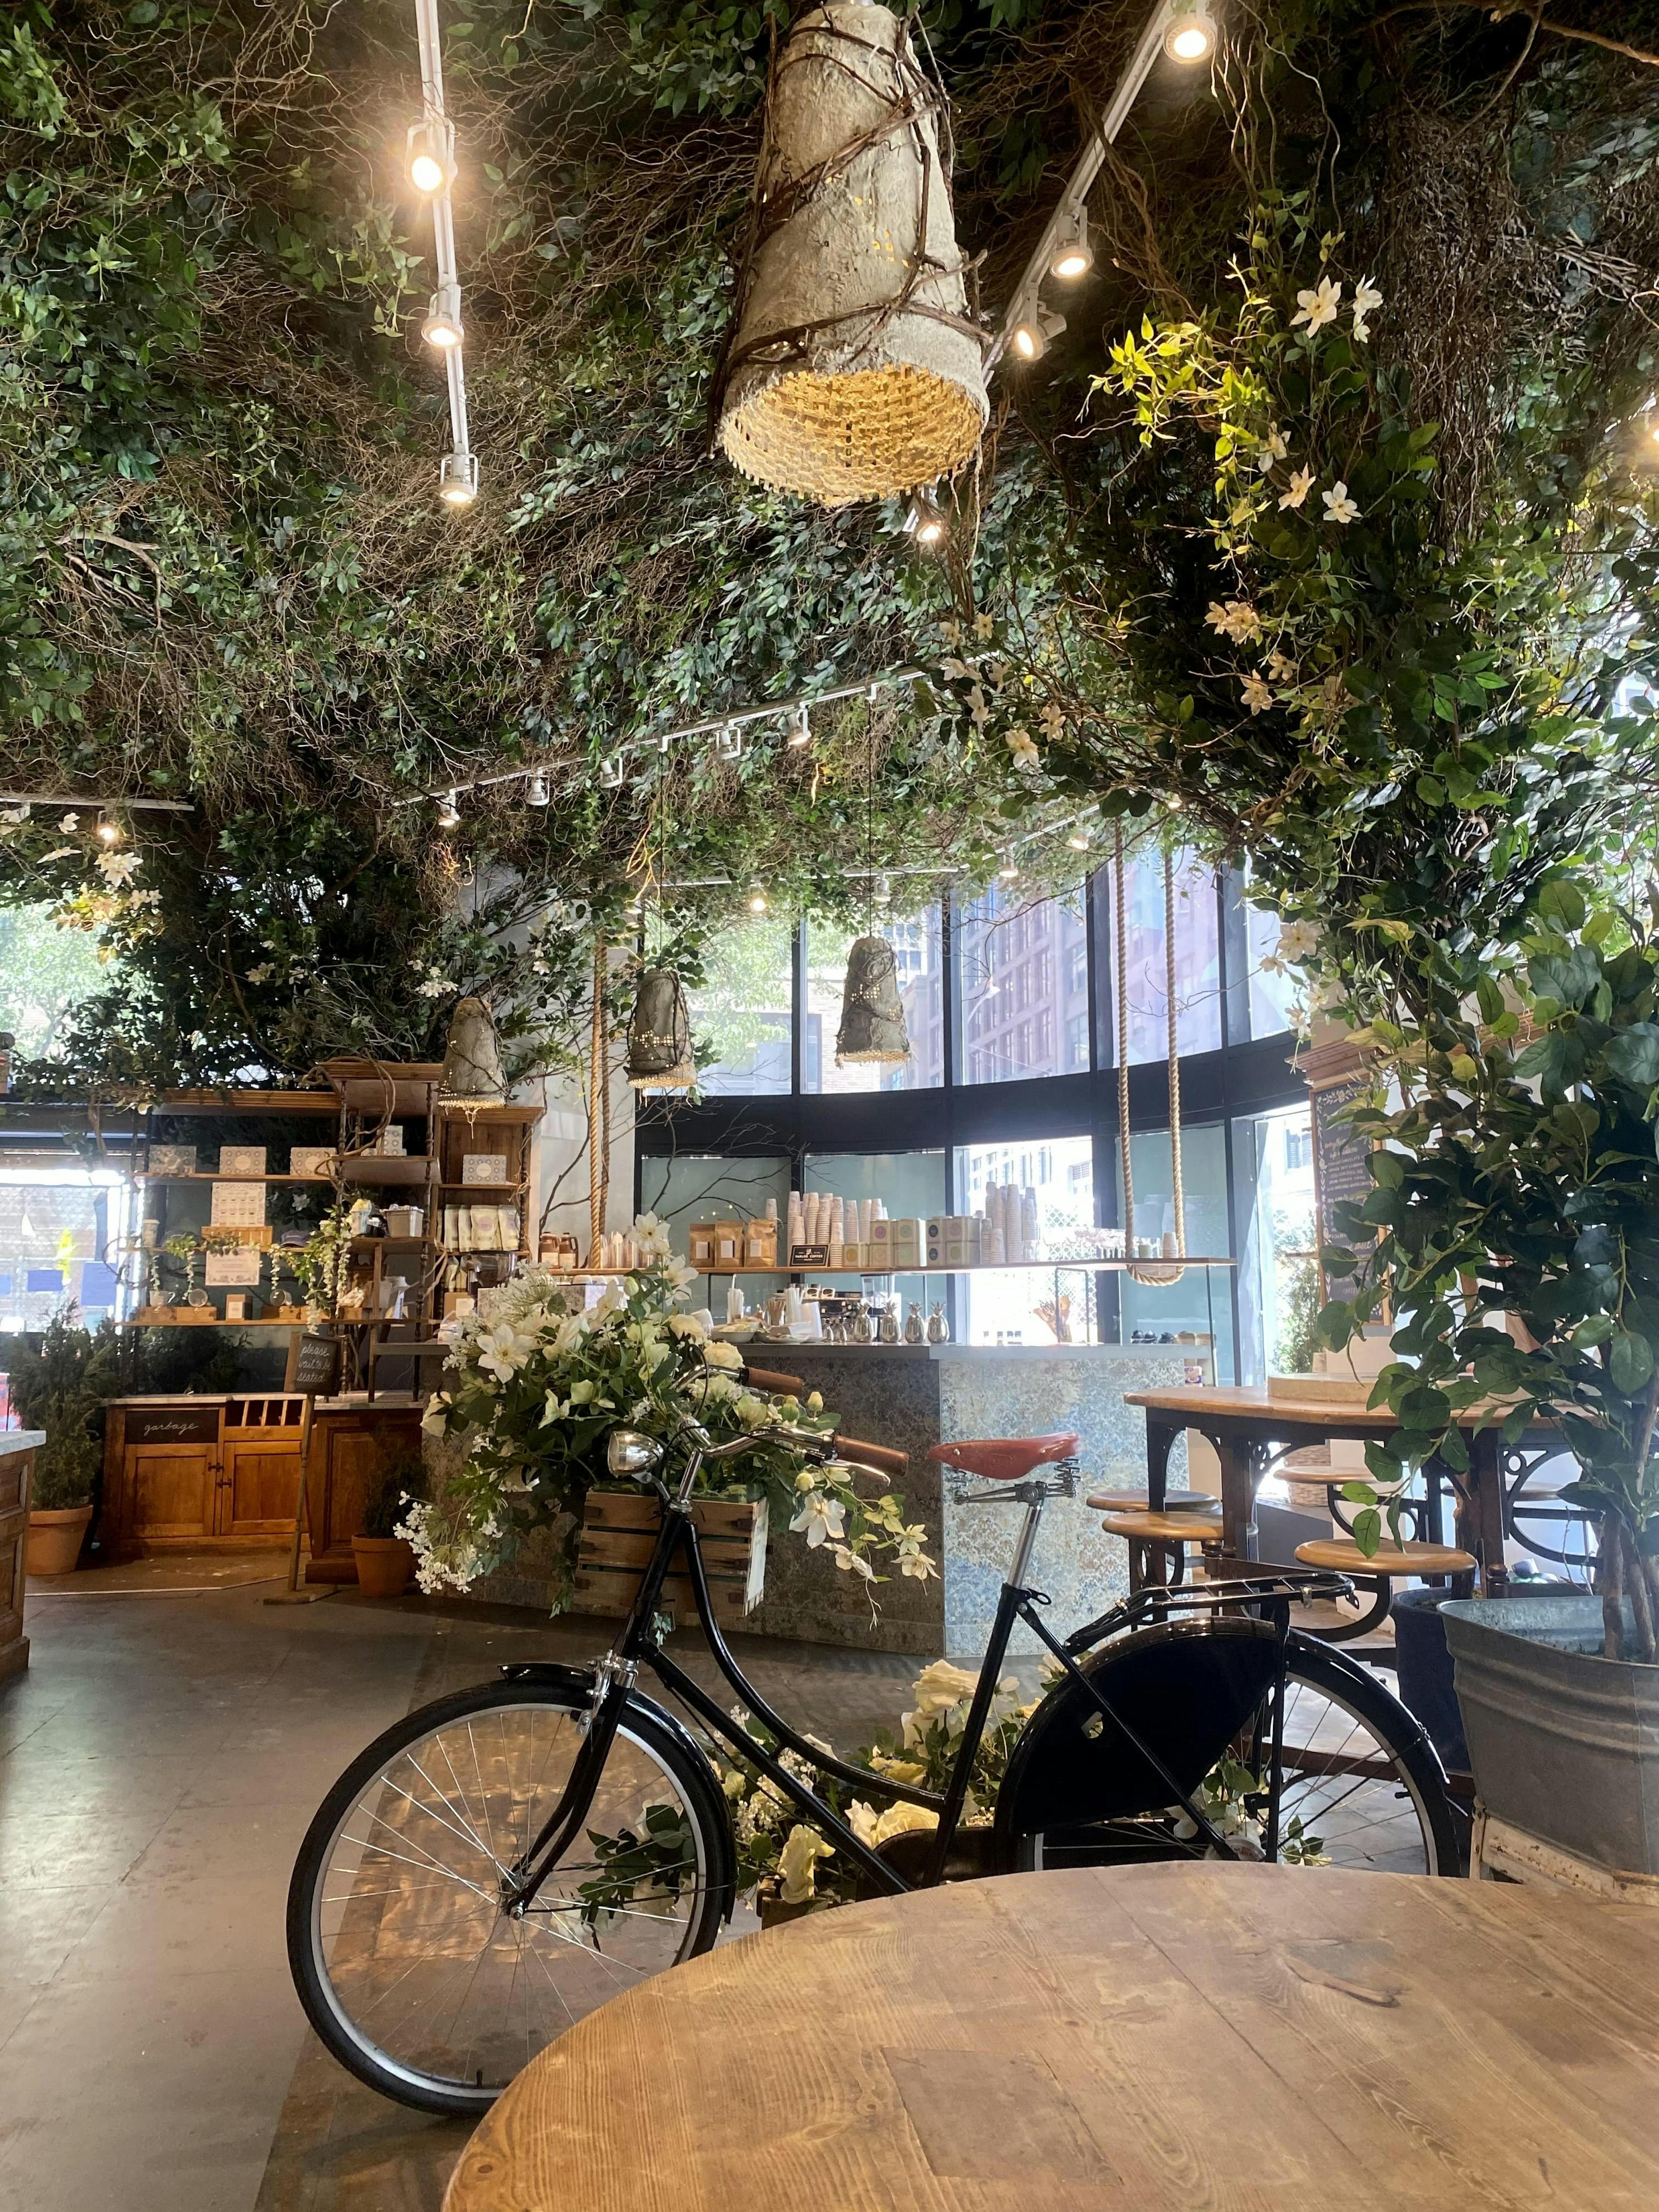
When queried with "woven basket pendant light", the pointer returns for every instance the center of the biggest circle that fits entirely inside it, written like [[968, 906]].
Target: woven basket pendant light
[[472, 1073], [871, 1010], [659, 1056], [851, 371]]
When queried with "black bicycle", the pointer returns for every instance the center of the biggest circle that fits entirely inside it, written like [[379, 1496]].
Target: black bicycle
[[442, 1925]]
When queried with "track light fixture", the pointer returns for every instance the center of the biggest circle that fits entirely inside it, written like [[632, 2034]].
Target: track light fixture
[[1035, 331], [1190, 37], [457, 479], [758, 900], [926, 522], [728, 742], [1008, 871], [449, 813], [536, 792], [611, 772], [1077, 841], [1072, 256], [800, 726], [443, 327], [431, 156]]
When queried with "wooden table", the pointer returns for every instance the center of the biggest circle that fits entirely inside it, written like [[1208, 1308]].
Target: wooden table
[[1247, 2039], [1248, 1429]]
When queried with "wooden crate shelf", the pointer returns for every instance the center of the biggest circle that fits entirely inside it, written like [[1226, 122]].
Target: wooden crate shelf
[[619, 1534]]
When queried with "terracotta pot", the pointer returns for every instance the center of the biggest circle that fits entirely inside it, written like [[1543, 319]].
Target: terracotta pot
[[385, 1565], [55, 1539]]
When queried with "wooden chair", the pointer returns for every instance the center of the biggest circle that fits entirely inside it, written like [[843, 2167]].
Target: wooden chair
[[1158, 1542], [1390, 1564]]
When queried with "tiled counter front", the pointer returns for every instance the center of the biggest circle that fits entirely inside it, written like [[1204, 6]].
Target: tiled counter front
[[911, 1397]]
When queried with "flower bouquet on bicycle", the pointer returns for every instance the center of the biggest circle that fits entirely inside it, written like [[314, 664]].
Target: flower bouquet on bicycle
[[502, 1861]]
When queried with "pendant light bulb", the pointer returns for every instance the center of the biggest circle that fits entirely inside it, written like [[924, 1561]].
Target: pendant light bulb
[[536, 791], [443, 326], [926, 522], [758, 900], [1191, 35], [1077, 841], [1073, 257], [1033, 333], [109, 833], [449, 810], [431, 157], [800, 728], [1008, 871]]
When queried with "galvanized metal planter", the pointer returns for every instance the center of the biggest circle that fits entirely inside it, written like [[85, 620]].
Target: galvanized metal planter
[[1564, 1743]]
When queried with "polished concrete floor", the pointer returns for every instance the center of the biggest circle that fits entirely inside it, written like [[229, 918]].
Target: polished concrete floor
[[158, 1763]]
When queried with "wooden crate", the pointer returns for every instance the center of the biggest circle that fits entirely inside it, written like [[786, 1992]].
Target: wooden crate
[[619, 1534]]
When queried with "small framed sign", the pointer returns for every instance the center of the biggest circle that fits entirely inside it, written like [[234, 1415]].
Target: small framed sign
[[241, 1159], [239, 1269], [316, 1364], [809, 1255], [483, 1166], [238, 1206]]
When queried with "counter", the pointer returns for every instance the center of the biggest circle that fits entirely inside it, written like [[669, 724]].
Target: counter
[[911, 1396], [17, 1450], [222, 1474]]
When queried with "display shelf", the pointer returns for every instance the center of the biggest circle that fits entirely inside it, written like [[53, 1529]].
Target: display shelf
[[978, 1267], [213, 1321]]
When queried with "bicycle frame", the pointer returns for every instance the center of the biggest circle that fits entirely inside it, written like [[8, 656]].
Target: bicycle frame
[[638, 1645]]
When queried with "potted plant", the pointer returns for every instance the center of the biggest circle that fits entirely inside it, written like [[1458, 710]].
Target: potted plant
[[1516, 1210], [57, 1386], [385, 1559]]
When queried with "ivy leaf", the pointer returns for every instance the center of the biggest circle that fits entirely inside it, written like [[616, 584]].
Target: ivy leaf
[[1630, 1362], [1367, 1532]]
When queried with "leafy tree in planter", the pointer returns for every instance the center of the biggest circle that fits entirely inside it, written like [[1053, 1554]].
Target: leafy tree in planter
[[1520, 1177], [58, 1382]]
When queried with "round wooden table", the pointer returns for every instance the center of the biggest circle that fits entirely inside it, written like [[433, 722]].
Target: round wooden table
[[1249, 2039]]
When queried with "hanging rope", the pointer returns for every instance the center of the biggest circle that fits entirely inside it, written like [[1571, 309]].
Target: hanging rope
[[598, 1114]]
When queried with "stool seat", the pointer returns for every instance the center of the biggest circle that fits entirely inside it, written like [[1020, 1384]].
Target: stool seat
[[1191, 1504], [1164, 1527], [1342, 1555]]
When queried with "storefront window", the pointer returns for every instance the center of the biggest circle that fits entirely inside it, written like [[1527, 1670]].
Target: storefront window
[[1279, 1274], [1274, 993], [916, 957], [1200, 1304], [60, 1234], [1025, 987], [707, 1187], [1197, 958], [741, 1011], [1031, 1305]]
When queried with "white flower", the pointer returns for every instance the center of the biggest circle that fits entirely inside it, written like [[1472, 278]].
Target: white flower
[[798, 1863], [1301, 485], [718, 1353], [913, 1560], [872, 1828], [1339, 508], [1298, 941], [1273, 448], [70, 822], [1020, 745], [852, 1561], [584, 1392], [977, 708], [1053, 721], [1256, 695], [501, 1350], [435, 987], [951, 632], [957, 671], [554, 1409], [984, 628], [821, 1518], [262, 974], [689, 1327], [815, 1401], [1366, 301], [1237, 620], [117, 868], [1317, 307], [1281, 669]]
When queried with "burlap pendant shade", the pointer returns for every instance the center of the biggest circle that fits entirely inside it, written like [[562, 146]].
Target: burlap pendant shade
[[871, 1010], [472, 1073], [660, 1035], [851, 371]]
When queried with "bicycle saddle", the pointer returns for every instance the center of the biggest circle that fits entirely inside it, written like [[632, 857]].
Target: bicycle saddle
[[1003, 1458]]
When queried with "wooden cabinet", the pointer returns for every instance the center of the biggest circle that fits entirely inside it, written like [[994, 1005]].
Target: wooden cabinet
[[17, 1452], [350, 1453], [223, 1474]]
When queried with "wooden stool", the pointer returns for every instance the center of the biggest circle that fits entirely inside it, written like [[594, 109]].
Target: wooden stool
[[1137, 1501], [1158, 1544], [1388, 1564]]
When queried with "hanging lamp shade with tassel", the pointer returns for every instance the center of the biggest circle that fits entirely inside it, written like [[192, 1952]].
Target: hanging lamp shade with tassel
[[871, 1010], [851, 370], [472, 1073], [659, 1056]]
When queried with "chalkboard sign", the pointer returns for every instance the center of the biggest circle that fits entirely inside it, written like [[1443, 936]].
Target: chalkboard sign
[[172, 1425], [1341, 1161], [316, 1365]]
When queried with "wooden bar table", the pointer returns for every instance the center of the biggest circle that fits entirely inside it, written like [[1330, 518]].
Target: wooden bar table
[[1153, 2037], [1249, 1429]]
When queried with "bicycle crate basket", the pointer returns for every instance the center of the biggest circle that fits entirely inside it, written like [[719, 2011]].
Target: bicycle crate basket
[[619, 1534]]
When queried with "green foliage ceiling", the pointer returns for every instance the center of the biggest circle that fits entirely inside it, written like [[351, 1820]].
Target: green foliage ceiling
[[224, 576]]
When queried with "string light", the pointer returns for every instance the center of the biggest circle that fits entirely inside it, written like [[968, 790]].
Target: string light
[[109, 832], [536, 791], [758, 900], [1191, 36], [449, 813]]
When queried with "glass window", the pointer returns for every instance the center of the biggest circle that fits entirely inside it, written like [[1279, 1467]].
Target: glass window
[[60, 1238], [704, 1187], [1197, 958], [742, 1010], [906, 1183], [1200, 1302], [45, 970], [1279, 1277], [1274, 993], [1031, 1305], [1024, 984], [916, 954]]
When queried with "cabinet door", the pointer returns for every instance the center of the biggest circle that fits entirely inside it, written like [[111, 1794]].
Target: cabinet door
[[260, 1487], [349, 1455], [170, 1490]]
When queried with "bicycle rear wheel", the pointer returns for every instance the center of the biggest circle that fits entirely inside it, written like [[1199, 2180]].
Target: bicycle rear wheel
[[409, 1964], [1361, 1785]]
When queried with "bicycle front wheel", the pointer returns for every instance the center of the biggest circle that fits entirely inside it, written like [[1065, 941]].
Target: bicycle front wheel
[[409, 1964]]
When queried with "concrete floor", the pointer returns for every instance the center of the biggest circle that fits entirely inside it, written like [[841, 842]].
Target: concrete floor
[[158, 1763]]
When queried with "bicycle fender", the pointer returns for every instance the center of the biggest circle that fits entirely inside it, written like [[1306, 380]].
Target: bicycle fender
[[1342, 1663], [578, 1682]]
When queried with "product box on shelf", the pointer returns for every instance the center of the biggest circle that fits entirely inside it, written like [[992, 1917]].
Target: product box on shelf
[[483, 1166], [760, 1244], [311, 1160], [172, 1159], [237, 1206], [241, 1159], [387, 1143]]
